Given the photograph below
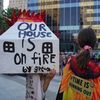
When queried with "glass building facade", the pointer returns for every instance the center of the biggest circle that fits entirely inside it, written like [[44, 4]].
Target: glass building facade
[[51, 8], [20, 4], [68, 17], [69, 23], [62, 16], [90, 12]]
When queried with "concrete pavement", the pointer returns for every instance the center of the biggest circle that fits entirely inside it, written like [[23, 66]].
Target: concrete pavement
[[11, 89], [14, 88], [53, 88]]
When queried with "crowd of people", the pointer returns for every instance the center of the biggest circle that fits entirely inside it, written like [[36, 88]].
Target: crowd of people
[[64, 56]]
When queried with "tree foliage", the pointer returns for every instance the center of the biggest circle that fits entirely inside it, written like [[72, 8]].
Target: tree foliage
[[9, 12], [6, 14]]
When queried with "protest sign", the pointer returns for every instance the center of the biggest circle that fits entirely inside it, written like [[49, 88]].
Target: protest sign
[[81, 85], [29, 47]]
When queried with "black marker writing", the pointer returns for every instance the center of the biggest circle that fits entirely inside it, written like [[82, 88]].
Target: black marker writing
[[8, 46], [43, 59], [22, 43], [20, 58], [23, 34], [33, 30], [47, 47], [41, 69], [32, 27], [26, 69], [33, 45]]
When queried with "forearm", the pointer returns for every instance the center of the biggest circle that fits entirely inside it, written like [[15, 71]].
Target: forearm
[[48, 78], [46, 84]]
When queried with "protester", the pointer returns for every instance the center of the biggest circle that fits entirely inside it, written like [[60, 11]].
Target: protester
[[62, 62], [81, 75]]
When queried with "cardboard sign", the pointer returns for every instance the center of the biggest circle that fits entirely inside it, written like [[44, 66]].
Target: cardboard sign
[[81, 85], [29, 47]]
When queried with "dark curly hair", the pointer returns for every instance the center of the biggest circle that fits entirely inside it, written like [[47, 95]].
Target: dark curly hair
[[86, 36]]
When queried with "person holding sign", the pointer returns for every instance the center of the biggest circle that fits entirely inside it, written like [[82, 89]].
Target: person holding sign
[[81, 75]]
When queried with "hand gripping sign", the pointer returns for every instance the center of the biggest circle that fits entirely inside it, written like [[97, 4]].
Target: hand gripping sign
[[29, 47]]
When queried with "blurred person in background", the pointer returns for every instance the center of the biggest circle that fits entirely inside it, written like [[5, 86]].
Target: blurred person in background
[[63, 59]]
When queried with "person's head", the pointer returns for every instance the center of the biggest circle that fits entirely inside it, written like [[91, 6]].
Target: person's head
[[86, 38]]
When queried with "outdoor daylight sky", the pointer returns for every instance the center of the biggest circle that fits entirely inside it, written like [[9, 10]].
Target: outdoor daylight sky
[[5, 3]]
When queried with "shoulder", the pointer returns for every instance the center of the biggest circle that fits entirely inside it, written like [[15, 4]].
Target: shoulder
[[95, 66], [92, 71]]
